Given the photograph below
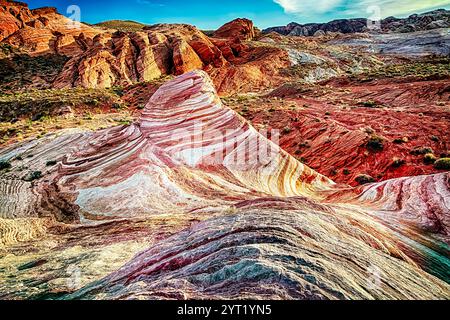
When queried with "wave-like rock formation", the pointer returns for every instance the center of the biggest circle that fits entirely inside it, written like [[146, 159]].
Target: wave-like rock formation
[[213, 209]]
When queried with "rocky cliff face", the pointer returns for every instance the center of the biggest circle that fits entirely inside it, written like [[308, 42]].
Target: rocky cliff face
[[13, 16], [101, 57], [417, 22], [42, 31], [123, 58]]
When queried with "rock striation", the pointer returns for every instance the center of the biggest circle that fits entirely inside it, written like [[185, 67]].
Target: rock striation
[[124, 58], [241, 29], [211, 208], [100, 57], [42, 31]]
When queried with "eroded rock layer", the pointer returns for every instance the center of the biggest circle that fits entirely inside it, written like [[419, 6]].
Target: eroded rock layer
[[103, 58], [210, 208]]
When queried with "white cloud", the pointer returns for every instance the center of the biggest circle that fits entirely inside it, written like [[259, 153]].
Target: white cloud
[[307, 6], [398, 7], [359, 7]]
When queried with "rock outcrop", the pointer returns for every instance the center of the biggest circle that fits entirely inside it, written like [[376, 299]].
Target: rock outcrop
[[242, 29], [417, 22], [210, 208], [124, 58], [13, 16], [412, 45], [42, 31], [102, 57]]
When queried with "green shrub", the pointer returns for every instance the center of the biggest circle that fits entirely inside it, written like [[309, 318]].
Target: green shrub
[[287, 130], [364, 179], [400, 140], [368, 104], [375, 143], [51, 163], [442, 164], [33, 176], [396, 162], [421, 151], [429, 158], [4, 165]]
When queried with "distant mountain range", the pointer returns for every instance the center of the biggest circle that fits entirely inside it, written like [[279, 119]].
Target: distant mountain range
[[416, 22]]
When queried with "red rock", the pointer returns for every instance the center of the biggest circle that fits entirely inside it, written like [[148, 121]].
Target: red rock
[[42, 30], [172, 49], [337, 141], [242, 29], [200, 201], [13, 16], [185, 58]]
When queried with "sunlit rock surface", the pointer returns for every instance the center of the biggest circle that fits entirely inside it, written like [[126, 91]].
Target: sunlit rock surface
[[192, 202]]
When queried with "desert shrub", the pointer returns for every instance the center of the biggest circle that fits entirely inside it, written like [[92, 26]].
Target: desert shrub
[[375, 143], [346, 172], [118, 90], [40, 104], [421, 150], [400, 140], [33, 176], [4, 165], [368, 104], [304, 144], [434, 138], [429, 158], [364, 179], [396, 162], [51, 163], [287, 130], [442, 164]]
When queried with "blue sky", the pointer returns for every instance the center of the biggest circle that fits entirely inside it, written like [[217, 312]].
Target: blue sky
[[213, 13]]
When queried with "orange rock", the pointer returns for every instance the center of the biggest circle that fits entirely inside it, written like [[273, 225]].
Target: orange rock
[[185, 58], [42, 30], [13, 16], [242, 29], [102, 58]]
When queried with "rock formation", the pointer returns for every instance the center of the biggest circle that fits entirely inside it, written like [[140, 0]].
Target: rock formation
[[42, 30], [125, 58], [241, 29], [210, 208], [102, 57], [417, 22]]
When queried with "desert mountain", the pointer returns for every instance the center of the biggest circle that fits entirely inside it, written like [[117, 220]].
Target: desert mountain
[[416, 22]]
